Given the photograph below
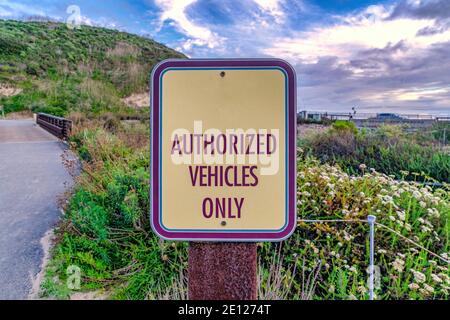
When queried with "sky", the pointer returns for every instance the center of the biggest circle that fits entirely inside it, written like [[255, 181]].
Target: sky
[[373, 55]]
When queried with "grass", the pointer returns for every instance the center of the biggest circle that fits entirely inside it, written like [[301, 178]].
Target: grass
[[418, 213], [61, 70], [106, 231]]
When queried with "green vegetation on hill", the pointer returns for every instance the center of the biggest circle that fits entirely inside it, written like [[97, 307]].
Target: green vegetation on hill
[[61, 70], [389, 149]]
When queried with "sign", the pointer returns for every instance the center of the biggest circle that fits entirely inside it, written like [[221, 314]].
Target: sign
[[223, 144]]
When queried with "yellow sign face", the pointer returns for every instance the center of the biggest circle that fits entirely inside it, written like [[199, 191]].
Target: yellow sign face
[[223, 150]]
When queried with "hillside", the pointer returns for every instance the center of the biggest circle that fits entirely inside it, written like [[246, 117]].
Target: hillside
[[45, 66]]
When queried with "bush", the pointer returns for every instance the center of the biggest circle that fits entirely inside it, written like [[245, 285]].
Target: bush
[[56, 111], [9, 45], [20, 102], [106, 233], [341, 249], [441, 132], [388, 150], [345, 126]]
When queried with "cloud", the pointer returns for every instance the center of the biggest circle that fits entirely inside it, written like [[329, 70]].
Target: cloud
[[368, 59], [438, 10], [417, 83], [422, 9], [175, 11], [437, 28], [273, 8], [353, 34], [394, 54], [10, 9]]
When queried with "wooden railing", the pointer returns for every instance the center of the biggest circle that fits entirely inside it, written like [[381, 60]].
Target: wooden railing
[[57, 126]]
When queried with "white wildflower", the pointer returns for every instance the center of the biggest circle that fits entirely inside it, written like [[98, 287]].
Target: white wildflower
[[413, 286], [418, 276], [428, 288], [347, 236], [436, 278], [424, 292], [398, 264], [444, 276], [352, 297], [401, 215], [362, 289]]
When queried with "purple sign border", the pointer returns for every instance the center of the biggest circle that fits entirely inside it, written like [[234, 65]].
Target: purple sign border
[[154, 147]]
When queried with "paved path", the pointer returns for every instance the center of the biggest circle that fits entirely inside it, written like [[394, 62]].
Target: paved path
[[31, 178]]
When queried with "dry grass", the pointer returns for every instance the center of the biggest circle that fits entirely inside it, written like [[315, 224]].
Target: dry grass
[[138, 100], [123, 49], [106, 139], [6, 90], [177, 291], [99, 92], [21, 115], [278, 283]]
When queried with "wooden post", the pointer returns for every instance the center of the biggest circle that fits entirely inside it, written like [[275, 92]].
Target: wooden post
[[222, 271]]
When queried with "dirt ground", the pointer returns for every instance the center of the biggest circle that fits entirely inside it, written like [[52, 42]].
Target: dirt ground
[[8, 91], [139, 100]]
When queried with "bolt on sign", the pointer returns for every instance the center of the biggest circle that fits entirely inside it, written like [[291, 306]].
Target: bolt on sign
[[223, 150]]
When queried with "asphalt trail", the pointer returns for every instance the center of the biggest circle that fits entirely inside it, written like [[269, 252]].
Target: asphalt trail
[[31, 178]]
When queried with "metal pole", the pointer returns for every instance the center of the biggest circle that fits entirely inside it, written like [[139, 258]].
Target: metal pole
[[444, 139], [222, 271], [371, 220]]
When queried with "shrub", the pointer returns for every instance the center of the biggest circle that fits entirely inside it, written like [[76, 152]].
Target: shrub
[[340, 250], [106, 233], [388, 150], [441, 132], [345, 126], [56, 111], [10, 45]]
